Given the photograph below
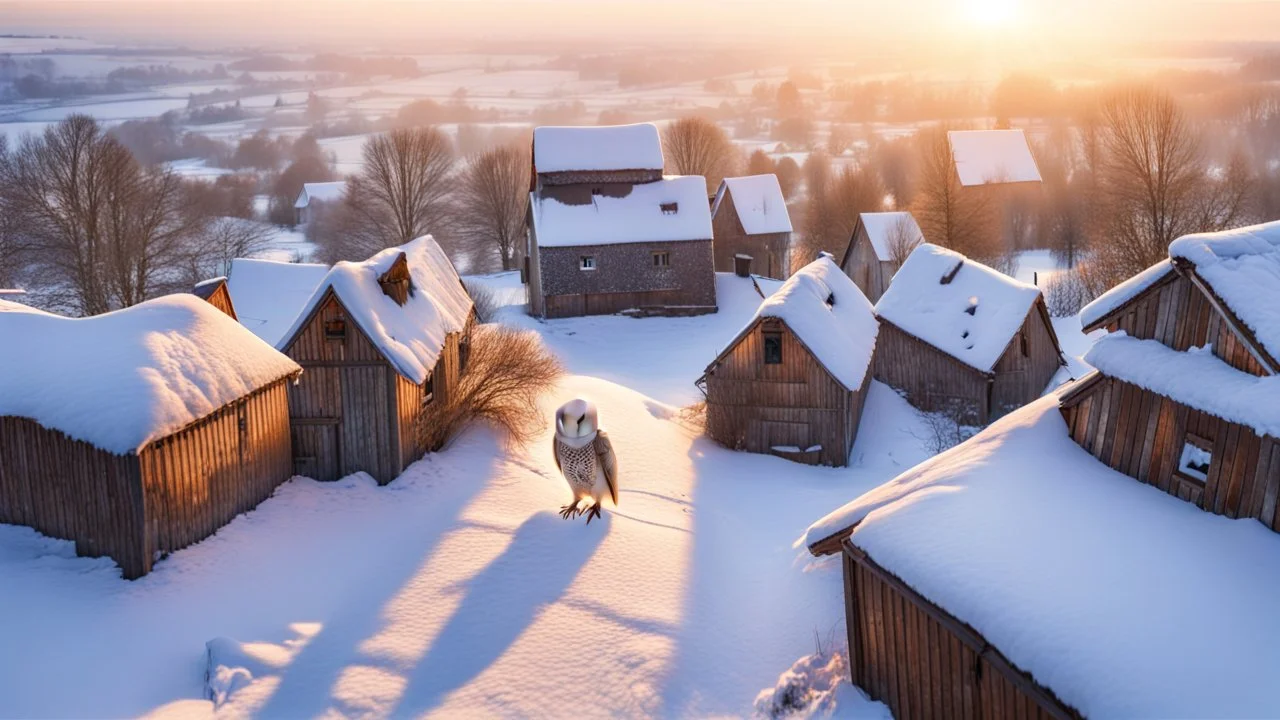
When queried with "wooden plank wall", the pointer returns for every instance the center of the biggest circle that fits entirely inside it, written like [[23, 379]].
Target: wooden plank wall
[[562, 306], [1178, 314], [197, 480], [924, 663], [932, 379], [769, 251], [1141, 434], [865, 268], [71, 490], [753, 406], [1019, 379]]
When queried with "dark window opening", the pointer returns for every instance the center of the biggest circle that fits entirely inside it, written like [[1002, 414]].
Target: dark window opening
[[587, 262], [429, 389], [1196, 459], [670, 208], [464, 354], [662, 259], [335, 329], [831, 300], [1023, 345], [772, 348]]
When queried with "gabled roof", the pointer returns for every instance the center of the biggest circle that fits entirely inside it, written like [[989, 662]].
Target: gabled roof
[[992, 157], [961, 307], [269, 295], [758, 200], [671, 209], [206, 288], [1242, 268], [1106, 304], [124, 379], [411, 336], [991, 532], [321, 191], [613, 147], [884, 230], [829, 314]]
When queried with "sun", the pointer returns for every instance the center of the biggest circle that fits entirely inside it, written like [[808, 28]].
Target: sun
[[992, 13]]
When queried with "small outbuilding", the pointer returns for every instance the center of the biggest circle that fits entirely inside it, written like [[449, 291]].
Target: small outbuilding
[[214, 291], [268, 295], [750, 218], [141, 431], [314, 193], [608, 233], [794, 381], [960, 337], [877, 248], [380, 340]]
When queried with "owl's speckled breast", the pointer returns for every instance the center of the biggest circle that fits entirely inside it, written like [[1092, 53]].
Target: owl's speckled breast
[[578, 465]]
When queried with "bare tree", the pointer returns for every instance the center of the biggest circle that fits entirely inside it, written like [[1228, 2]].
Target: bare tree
[[493, 202], [1155, 182], [903, 239], [12, 251], [401, 193], [102, 227], [697, 146], [836, 199], [950, 215], [221, 240]]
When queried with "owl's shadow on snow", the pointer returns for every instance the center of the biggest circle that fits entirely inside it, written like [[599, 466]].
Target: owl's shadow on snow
[[499, 603]]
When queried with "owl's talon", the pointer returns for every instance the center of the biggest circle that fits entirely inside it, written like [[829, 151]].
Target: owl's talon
[[568, 511]]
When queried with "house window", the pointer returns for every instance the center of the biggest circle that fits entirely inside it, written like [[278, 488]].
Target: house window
[[429, 390], [772, 348], [335, 329], [1197, 456], [587, 262], [662, 259]]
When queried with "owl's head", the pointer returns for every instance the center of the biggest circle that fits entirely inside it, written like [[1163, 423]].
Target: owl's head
[[577, 418]]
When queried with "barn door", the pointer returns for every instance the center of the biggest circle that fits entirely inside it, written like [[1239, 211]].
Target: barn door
[[315, 448]]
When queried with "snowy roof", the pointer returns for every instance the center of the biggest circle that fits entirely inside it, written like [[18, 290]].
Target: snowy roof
[[206, 288], [1196, 378], [842, 334], [614, 147], [411, 336], [155, 368], [10, 306], [758, 200], [1111, 300], [991, 531], [1242, 266], [322, 191], [674, 208], [991, 157], [268, 295], [882, 230], [959, 306]]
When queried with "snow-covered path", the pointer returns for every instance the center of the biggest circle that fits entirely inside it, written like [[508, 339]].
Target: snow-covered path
[[457, 590]]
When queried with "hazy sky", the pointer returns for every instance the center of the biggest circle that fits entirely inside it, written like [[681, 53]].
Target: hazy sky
[[719, 21]]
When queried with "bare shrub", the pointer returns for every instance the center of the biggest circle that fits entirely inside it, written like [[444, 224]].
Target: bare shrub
[[509, 369], [1067, 292], [945, 429]]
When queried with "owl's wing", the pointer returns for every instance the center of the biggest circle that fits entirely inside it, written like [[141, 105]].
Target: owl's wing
[[555, 452], [608, 462]]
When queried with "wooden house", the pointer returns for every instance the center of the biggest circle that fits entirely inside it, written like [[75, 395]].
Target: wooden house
[[380, 340], [215, 293], [1181, 397], [141, 431], [749, 217], [312, 195], [794, 381], [974, 559], [879, 244], [268, 295], [607, 233], [959, 337]]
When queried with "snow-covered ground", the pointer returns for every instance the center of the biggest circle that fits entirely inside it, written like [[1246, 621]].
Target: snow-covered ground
[[456, 590]]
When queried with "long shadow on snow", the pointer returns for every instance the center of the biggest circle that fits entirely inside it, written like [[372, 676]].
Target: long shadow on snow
[[545, 555], [306, 684]]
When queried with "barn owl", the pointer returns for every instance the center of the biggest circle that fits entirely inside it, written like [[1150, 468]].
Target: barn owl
[[585, 457]]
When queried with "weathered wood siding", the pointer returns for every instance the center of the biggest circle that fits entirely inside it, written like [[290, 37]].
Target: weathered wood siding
[[755, 407], [769, 251], [865, 269], [71, 490], [932, 380], [923, 662], [1141, 434], [221, 299], [197, 480], [1021, 378], [175, 492], [1178, 314]]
